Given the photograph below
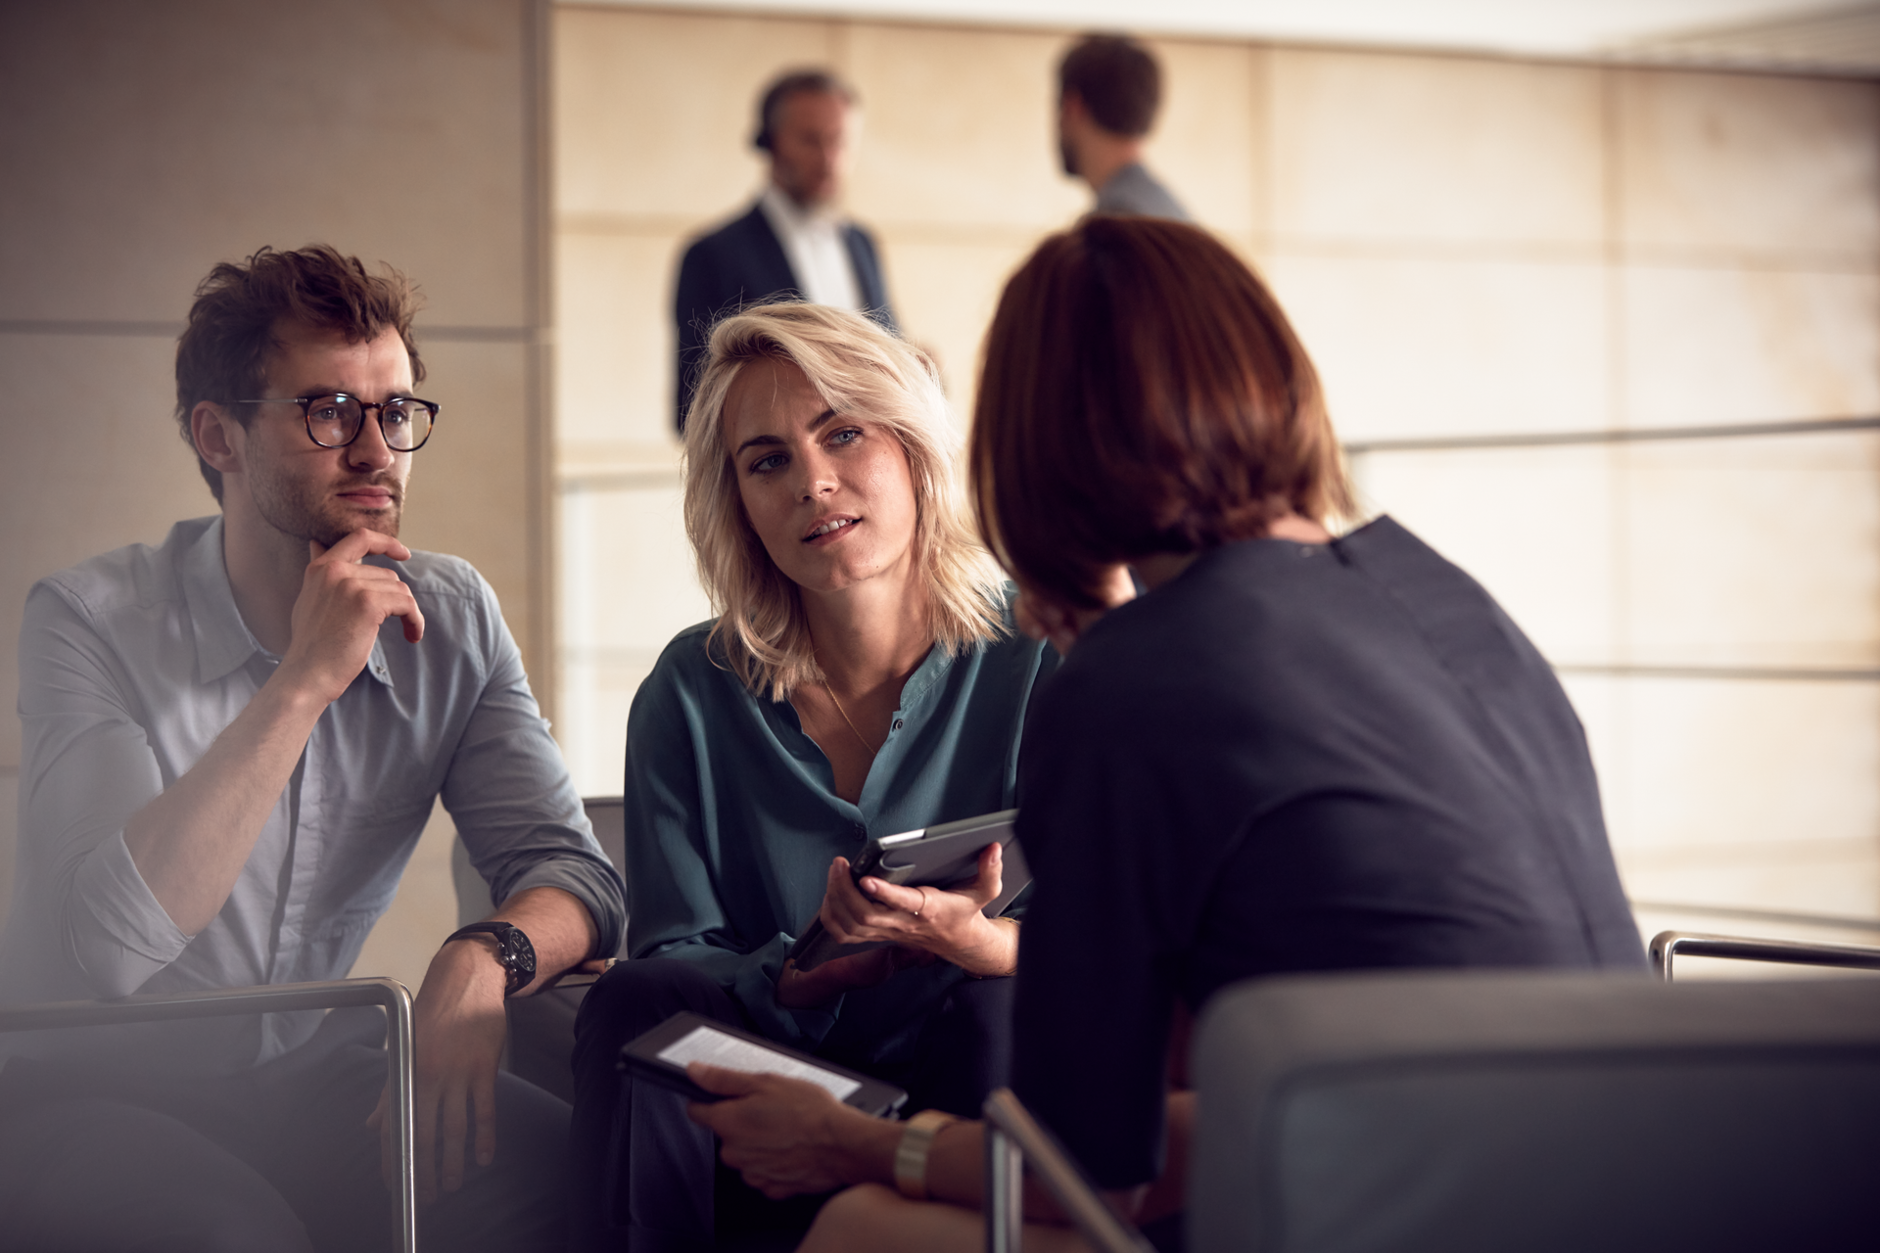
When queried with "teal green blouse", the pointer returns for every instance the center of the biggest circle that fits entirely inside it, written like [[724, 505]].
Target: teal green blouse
[[732, 817]]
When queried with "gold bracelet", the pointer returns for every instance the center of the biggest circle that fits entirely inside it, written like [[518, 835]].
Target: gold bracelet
[[910, 1156]]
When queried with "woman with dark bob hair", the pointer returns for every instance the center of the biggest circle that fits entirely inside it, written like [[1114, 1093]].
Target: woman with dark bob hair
[[1297, 751]]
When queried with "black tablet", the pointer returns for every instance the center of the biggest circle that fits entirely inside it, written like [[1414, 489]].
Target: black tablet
[[662, 1054], [942, 856]]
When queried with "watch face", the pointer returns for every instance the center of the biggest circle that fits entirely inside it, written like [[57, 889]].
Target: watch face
[[518, 959], [513, 952]]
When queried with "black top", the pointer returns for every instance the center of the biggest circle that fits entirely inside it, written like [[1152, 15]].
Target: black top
[[1292, 757], [743, 263]]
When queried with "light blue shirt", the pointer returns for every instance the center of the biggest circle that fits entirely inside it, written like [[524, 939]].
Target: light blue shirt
[[132, 663], [1133, 189], [732, 817]]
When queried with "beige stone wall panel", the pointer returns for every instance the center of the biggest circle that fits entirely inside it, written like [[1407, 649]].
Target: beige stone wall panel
[[1737, 161], [1702, 754], [630, 586], [642, 530], [654, 111], [615, 337], [961, 129], [1749, 345], [1833, 878], [1754, 552], [1422, 346], [196, 133], [1409, 149]]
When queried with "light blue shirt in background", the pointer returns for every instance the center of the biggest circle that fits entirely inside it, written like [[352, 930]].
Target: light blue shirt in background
[[1133, 189], [131, 664]]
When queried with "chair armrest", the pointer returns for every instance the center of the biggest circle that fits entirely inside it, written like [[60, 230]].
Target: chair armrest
[[577, 977], [1014, 1139], [1667, 945], [388, 994]]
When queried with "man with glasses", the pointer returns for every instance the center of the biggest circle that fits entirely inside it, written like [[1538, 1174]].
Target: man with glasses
[[232, 743]]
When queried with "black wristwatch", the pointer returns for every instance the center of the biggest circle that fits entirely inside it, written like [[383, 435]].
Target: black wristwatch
[[513, 950]]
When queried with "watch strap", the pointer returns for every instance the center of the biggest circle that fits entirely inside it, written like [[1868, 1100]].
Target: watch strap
[[513, 951]]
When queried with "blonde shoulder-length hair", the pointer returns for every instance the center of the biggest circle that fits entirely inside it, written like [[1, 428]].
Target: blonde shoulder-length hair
[[866, 373]]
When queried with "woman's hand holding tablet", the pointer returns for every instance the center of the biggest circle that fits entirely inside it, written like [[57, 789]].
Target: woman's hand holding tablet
[[788, 1136], [919, 924]]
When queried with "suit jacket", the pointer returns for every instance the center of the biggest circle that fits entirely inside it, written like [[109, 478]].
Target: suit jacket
[[741, 264]]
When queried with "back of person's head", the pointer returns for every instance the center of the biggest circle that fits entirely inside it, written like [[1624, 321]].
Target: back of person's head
[[1143, 393], [775, 96], [866, 373], [1118, 81], [223, 353]]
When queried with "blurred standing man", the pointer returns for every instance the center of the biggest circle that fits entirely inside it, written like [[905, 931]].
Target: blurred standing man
[[1109, 89], [794, 242], [232, 743]]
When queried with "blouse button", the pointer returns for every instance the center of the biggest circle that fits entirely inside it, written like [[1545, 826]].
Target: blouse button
[[896, 726]]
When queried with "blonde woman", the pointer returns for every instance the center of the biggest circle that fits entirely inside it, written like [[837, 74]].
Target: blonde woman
[[861, 678]]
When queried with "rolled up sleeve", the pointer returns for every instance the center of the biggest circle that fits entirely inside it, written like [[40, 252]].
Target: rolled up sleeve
[[515, 806]]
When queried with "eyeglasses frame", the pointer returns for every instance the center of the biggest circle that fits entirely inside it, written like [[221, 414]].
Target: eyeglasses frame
[[366, 409]]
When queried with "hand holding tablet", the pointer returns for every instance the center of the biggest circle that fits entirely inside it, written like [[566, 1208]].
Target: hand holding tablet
[[942, 858]]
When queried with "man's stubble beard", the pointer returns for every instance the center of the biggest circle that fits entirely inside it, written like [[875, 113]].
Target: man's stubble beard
[[289, 507]]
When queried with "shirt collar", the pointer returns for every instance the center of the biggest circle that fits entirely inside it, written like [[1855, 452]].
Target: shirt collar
[[929, 672], [786, 214], [223, 641]]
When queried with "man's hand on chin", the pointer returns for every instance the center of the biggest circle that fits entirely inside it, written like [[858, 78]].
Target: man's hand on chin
[[342, 601], [460, 1024]]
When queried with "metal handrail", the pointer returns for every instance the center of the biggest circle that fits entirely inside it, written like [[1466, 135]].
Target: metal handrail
[[388, 994], [1015, 1139], [1667, 945]]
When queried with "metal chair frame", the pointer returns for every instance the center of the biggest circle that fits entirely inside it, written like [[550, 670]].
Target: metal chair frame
[[388, 994], [1668, 945], [1015, 1139]]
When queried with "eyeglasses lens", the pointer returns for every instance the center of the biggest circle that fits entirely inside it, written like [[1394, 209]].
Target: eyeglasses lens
[[334, 421], [405, 423]]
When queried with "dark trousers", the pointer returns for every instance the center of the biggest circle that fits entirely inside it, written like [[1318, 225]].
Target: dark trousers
[[645, 1176], [278, 1159]]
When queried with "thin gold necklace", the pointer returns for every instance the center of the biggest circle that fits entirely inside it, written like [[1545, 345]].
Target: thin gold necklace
[[845, 717]]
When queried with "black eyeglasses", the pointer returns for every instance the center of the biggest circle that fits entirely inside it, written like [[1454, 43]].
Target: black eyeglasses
[[335, 419]]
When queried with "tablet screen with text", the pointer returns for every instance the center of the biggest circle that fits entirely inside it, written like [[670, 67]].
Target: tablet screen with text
[[662, 1054]]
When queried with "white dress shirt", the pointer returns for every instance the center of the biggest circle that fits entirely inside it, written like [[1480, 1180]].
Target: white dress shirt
[[819, 257]]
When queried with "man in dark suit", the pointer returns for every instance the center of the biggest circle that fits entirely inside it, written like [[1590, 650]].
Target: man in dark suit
[[793, 244]]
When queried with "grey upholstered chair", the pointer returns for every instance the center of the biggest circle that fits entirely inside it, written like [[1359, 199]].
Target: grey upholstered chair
[[1497, 1111]]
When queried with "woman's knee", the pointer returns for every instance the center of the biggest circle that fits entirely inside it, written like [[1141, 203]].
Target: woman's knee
[[853, 1218]]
